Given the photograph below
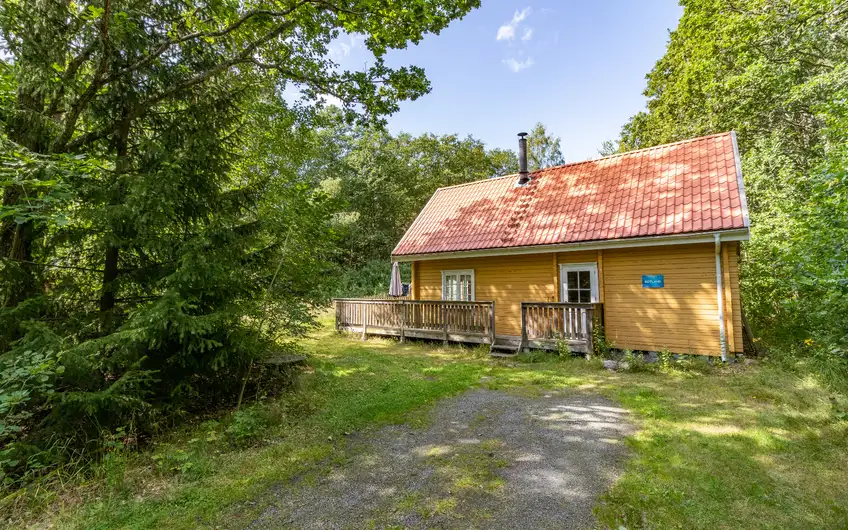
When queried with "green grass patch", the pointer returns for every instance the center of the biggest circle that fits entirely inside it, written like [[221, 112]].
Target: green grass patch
[[754, 447]]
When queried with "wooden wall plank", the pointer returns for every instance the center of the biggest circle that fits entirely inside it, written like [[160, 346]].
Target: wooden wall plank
[[682, 316], [507, 280], [735, 295], [727, 298]]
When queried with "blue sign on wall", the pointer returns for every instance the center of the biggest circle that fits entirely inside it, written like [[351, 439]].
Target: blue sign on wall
[[653, 281]]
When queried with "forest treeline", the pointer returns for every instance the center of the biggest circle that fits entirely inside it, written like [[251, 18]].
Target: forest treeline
[[776, 72], [169, 217]]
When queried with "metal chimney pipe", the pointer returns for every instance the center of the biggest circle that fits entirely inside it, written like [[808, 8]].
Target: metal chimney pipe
[[523, 175]]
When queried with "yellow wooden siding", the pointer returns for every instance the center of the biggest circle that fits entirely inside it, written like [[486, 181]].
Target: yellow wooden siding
[[413, 289], [583, 256], [506, 280], [682, 316], [736, 300], [727, 298]]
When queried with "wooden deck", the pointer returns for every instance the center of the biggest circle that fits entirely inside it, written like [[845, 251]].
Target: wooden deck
[[424, 319], [544, 325]]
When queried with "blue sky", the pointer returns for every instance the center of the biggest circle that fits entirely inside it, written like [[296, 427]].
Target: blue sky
[[578, 67]]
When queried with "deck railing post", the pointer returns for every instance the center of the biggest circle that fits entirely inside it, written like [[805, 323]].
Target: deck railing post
[[338, 305], [523, 345], [402, 321], [492, 324], [590, 317], [445, 322]]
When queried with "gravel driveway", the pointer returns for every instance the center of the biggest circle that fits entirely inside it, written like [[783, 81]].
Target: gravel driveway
[[486, 459]]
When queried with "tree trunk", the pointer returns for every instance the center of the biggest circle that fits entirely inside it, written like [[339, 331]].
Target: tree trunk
[[108, 320], [16, 239]]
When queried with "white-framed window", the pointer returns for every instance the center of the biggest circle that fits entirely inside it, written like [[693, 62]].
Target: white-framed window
[[458, 285], [579, 283]]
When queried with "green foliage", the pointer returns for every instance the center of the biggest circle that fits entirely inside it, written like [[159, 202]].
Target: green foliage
[[775, 71], [562, 347], [162, 223], [371, 278], [602, 348], [113, 463], [665, 358], [246, 426], [543, 150], [384, 181], [542, 356]]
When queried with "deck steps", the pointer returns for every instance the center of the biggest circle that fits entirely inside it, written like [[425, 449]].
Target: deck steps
[[504, 348]]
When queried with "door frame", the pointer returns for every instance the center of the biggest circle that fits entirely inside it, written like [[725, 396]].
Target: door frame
[[593, 279]]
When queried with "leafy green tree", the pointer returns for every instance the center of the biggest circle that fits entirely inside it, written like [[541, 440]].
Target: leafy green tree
[[149, 223], [543, 150], [386, 180], [774, 71], [608, 148]]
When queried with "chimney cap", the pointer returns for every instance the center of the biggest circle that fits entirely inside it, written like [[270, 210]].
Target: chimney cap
[[522, 134]]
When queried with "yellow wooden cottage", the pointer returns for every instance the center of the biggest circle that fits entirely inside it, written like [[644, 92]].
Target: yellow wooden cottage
[[645, 243]]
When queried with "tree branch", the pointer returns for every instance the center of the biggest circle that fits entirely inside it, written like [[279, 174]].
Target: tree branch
[[165, 46], [70, 71], [64, 143], [96, 83]]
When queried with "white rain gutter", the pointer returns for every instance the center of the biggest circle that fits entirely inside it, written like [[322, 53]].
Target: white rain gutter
[[722, 332], [738, 234]]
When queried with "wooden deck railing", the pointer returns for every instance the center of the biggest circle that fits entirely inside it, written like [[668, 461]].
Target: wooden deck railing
[[429, 319], [543, 324]]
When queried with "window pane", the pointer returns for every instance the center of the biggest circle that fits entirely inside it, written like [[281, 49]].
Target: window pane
[[585, 282], [572, 279], [573, 297], [585, 296], [450, 287]]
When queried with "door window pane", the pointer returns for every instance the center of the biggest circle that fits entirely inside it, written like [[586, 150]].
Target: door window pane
[[578, 284], [458, 286]]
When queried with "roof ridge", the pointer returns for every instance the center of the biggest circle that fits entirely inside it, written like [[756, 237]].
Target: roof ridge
[[590, 160], [475, 182], [616, 155]]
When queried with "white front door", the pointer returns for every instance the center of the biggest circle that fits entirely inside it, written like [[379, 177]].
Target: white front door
[[579, 283]]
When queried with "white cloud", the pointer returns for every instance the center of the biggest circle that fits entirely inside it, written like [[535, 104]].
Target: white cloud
[[507, 31], [342, 47], [528, 34], [516, 66]]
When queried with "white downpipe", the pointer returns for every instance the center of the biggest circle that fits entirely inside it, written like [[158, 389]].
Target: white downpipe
[[722, 332]]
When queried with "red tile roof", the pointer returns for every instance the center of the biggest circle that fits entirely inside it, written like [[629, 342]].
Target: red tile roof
[[684, 187]]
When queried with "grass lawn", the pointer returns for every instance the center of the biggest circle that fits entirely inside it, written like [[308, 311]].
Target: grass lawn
[[752, 447]]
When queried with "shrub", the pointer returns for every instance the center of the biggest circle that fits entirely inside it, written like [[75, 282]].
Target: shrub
[[635, 362], [600, 346], [246, 426], [665, 359]]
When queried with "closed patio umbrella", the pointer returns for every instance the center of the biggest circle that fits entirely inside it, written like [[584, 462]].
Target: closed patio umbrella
[[395, 288]]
